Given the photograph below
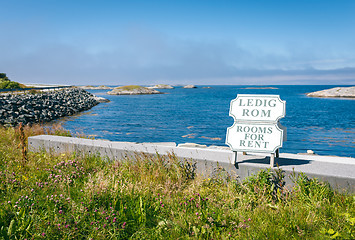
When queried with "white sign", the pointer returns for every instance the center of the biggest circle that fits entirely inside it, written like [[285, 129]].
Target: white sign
[[254, 137], [265, 108]]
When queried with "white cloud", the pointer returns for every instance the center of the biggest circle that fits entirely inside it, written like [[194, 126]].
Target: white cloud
[[143, 56]]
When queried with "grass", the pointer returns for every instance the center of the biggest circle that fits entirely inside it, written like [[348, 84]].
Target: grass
[[68, 196]]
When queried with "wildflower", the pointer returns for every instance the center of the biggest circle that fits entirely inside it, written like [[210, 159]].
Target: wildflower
[[43, 234], [249, 219], [91, 223], [104, 225], [123, 225], [9, 202], [66, 226], [197, 214], [60, 211]]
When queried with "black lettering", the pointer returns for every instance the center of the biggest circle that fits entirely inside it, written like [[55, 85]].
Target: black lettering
[[272, 105], [258, 103], [246, 112], [265, 113], [261, 137], [255, 112], [253, 137], [262, 129], [269, 130]]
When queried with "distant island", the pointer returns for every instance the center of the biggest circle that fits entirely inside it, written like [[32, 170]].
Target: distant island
[[90, 87], [260, 88], [337, 92], [132, 90], [162, 86], [190, 86]]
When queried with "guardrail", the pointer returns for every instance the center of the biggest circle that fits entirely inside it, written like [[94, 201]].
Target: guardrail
[[34, 88]]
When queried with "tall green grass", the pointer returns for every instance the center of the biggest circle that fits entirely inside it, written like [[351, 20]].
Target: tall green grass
[[156, 197]]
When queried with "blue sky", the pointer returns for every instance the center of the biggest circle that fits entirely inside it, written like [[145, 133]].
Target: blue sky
[[178, 42]]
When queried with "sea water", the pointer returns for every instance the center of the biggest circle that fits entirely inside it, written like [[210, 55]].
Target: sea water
[[201, 115]]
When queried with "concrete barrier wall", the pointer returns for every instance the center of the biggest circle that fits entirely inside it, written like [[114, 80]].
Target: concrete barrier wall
[[338, 171]]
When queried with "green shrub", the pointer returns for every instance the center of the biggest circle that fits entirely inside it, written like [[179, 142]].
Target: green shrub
[[6, 83]]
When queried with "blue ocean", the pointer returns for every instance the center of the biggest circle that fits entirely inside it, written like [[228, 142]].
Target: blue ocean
[[201, 115]]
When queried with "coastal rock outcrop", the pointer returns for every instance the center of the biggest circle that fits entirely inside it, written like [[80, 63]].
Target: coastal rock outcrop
[[43, 107], [341, 92], [190, 86], [132, 90], [162, 86]]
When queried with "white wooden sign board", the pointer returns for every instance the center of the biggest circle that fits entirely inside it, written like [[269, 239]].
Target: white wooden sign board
[[264, 108], [256, 127], [252, 137]]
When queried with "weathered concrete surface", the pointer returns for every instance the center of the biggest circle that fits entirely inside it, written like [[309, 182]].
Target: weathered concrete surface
[[342, 92], [338, 171]]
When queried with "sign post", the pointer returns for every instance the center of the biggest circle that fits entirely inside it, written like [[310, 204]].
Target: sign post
[[256, 125]]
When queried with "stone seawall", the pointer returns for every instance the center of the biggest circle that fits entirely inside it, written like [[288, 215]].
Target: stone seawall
[[41, 107]]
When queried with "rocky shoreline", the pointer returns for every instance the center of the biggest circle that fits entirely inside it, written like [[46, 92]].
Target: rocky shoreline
[[45, 106], [338, 92], [132, 90]]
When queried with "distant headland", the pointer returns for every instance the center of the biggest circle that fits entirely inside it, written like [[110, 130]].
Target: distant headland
[[132, 90], [337, 92]]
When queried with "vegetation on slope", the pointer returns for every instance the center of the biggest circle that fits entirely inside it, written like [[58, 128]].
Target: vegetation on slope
[[68, 196], [6, 83]]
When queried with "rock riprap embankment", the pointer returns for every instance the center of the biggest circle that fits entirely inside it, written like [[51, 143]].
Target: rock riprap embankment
[[341, 92], [43, 107]]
